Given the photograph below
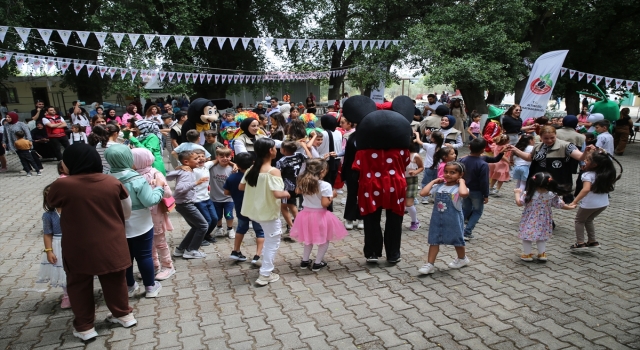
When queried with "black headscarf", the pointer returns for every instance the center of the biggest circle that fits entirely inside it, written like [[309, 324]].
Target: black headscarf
[[329, 122], [244, 126], [81, 158]]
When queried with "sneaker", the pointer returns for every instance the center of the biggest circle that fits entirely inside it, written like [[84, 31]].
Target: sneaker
[[468, 237], [250, 225], [578, 246], [593, 245], [492, 191], [210, 239], [29, 174], [425, 200], [255, 259], [194, 254], [427, 269], [542, 256], [360, 225], [86, 335], [394, 261], [152, 292], [372, 259], [205, 243], [339, 191], [39, 173], [133, 289], [414, 226], [497, 193], [318, 267], [231, 233], [178, 252], [264, 280], [526, 257], [304, 264], [126, 321], [237, 256], [458, 263], [165, 274], [220, 232], [65, 304], [348, 225]]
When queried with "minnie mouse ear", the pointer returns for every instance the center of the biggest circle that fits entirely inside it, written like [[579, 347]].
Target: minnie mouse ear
[[357, 107], [383, 129], [404, 105]]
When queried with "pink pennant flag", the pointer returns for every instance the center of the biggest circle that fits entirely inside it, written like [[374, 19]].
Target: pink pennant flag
[[162, 75], [571, 73], [143, 74], [598, 79], [134, 72], [179, 76], [580, 75], [187, 76], [112, 71], [618, 83], [153, 74], [90, 69], [589, 77], [209, 76], [630, 84], [562, 71], [64, 66], [102, 70], [194, 77], [78, 67], [123, 73], [4, 58], [216, 77], [171, 75], [607, 81]]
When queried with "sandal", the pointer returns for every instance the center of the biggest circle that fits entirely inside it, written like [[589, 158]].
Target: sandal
[[578, 246], [593, 245]]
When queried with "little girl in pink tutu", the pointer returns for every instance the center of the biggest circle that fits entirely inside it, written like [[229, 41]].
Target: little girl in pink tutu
[[315, 224]]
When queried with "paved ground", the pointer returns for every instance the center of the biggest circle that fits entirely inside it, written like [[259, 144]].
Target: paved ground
[[574, 301]]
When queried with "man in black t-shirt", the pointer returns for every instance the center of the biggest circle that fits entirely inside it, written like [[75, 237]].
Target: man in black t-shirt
[[38, 113], [260, 109]]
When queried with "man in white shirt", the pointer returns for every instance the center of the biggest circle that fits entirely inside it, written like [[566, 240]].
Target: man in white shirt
[[431, 107]]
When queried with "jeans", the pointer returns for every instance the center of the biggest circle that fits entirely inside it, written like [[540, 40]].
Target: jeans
[[208, 211], [198, 224], [243, 226], [273, 230], [224, 210], [429, 175], [29, 160], [472, 208], [140, 248]]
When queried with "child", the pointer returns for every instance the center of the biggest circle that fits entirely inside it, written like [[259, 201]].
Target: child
[[521, 166], [264, 188], [414, 168], [193, 139], [477, 180], [77, 134], [474, 127], [28, 157], [536, 223], [598, 180], [437, 139], [51, 269], [211, 143], [604, 139], [228, 121], [290, 166], [244, 162], [185, 195], [203, 198], [62, 170], [311, 146], [499, 172], [443, 156], [222, 203], [142, 161], [315, 224], [447, 223]]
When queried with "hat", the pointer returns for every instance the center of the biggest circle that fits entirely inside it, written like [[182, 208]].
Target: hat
[[495, 112], [570, 121]]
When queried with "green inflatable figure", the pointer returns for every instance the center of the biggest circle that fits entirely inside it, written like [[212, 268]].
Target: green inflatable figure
[[609, 109]]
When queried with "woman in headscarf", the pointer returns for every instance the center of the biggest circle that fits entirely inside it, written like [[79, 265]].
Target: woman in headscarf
[[131, 115], [245, 142], [94, 209], [452, 136], [146, 134], [41, 142], [139, 227], [10, 128], [332, 145], [457, 110]]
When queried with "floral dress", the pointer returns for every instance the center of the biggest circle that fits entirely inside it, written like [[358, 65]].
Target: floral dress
[[536, 223]]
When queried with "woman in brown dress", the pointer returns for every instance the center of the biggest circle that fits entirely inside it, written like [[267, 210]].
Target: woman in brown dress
[[94, 207]]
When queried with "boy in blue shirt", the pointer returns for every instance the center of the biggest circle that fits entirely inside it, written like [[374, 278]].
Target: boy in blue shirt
[[228, 121], [243, 161]]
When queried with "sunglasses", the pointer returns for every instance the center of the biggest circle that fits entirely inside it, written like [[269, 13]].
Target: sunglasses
[[517, 110]]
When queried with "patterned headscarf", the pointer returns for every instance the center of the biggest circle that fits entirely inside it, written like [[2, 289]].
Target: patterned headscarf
[[147, 128]]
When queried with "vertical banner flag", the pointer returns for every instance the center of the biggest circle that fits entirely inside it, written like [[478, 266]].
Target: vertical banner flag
[[542, 79], [377, 95]]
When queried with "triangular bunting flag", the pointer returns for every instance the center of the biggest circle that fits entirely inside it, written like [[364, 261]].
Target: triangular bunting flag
[[221, 40], [280, 42], [290, 43], [607, 81], [387, 43], [179, 39], [257, 42], [194, 41], [50, 64], [83, 36], [395, 42], [45, 34], [209, 76], [380, 42], [589, 77], [245, 43], [149, 39], [269, 41], [233, 42], [171, 75], [202, 77], [562, 71], [90, 69], [301, 43], [580, 75], [216, 77], [179, 76], [3, 32], [133, 38], [23, 33], [78, 67], [598, 79], [320, 44], [194, 77], [224, 78], [230, 77], [187, 76], [338, 44], [101, 36], [4, 58], [312, 44], [164, 39], [618, 83], [118, 38], [153, 74], [630, 84], [162, 75], [253, 79], [112, 71], [123, 73], [134, 72], [36, 63], [571, 73], [329, 44], [355, 44], [143, 74], [207, 40], [347, 43], [102, 70], [63, 66]]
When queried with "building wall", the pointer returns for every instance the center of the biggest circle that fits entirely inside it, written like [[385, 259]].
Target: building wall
[[48, 86], [298, 90]]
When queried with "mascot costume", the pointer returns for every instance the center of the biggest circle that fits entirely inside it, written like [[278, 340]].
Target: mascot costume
[[603, 108], [382, 140], [202, 112]]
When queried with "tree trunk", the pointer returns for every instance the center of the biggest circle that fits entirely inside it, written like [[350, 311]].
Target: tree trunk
[[473, 98], [572, 101], [520, 86], [495, 98]]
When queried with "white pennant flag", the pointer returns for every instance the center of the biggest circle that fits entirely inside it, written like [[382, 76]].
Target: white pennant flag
[[245, 43], [589, 77], [162, 75], [598, 79], [380, 42], [224, 78], [112, 71], [3, 32], [290, 43], [209, 76], [312, 44], [134, 72], [229, 78], [395, 42], [153, 75], [101, 36], [580, 75], [78, 67], [630, 84], [50, 65], [355, 44], [83, 36], [123, 73], [194, 77], [280, 42], [387, 43], [235, 79], [118, 38], [23, 32], [241, 79], [45, 34], [102, 70], [171, 75], [221, 40], [179, 39], [338, 44], [301, 43], [329, 44], [347, 43], [36, 63], [194, 41], [618, 83], [90, 69], [233, 42], [372, 44], [562, 71], [133, 38], [269, 41], [607, 81], [320, 44], [149, 39], [257, 42], [202, 77], [143, 74], [571, 73], [187, 76], [207, 40], [179, 76], [164, 39], [63, 66], [253, 79], [4, 58], [216, 77]]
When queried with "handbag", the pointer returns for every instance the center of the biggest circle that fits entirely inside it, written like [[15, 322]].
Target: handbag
[[166, 205]]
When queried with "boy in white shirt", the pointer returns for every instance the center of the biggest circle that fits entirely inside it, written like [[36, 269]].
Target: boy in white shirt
[[193, 138], [604, 139]]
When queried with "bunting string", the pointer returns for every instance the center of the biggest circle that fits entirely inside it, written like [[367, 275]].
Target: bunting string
[[599, 78]]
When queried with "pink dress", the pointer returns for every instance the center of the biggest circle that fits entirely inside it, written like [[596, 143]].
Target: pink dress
[[499, 171], [537, 222], [315, 224]]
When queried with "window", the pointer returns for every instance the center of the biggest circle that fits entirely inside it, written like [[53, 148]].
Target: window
[[9, 95]]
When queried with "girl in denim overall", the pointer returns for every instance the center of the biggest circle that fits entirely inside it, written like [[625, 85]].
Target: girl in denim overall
[[447, 223]]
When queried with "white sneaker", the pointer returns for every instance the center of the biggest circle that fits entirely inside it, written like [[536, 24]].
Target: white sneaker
[[250, 225], [264, 280], [492, 191], [133, 289], [126, 321], [86, 335], [194, 254], [164, 274], [427, 269], [231, 233], [152, 292], [178, 252], [348, 225], [220, 232], [360, 225], [458, 263], [425, 200]]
